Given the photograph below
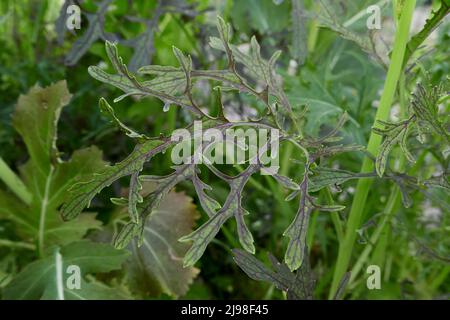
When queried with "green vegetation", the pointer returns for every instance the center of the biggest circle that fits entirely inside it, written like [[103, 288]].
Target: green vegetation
[[92, 205]]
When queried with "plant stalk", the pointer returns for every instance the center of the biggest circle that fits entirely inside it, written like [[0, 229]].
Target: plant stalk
[[363, 186], [14, 183]]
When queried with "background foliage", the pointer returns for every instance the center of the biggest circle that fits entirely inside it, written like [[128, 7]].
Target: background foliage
[[52, 133]]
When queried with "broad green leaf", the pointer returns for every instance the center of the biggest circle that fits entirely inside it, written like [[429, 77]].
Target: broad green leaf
[[45, 175], [36, 117], [157, 265], [88, 291], [47, 277]]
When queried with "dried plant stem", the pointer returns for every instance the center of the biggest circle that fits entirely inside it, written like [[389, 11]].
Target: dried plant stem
[[363, 186]]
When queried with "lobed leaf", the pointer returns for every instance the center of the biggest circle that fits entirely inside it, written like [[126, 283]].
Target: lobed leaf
[[232, 207], [84, 191], [299, 285]]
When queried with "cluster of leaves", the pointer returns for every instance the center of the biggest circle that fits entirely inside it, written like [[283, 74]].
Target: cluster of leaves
[[32, 205], [424, 119], [174, 86], [147, 220], [142, 44], [33, 210]]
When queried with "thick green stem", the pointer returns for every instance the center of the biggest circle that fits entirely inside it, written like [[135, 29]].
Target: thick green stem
[[14, 183], [388, 212], [363, 186]]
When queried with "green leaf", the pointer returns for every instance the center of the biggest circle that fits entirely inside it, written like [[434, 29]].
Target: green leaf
[[92, 290], [438, 181], [259, 69], [256, 270], [126, 234], [186, 66], [264, 16], [298, 285], [298, 229], [168, 79], [297, 233], [157, 265], [329, 20], [128, 83], [325, 177], [93, 33], [108, 111], [134, 197], [232, 207], [150, 202], [143, 45], [47, 277], [431, 24], [393, 134], [208, 204], [84, 191], [425, 105], [329, 208], [45, 175], [299, 33], [286, 182], [164, 185], [35, 118]]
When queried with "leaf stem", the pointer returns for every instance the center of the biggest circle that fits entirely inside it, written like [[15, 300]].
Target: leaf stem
[[43, 212], [335, 216], [13, 182], [15, 244]]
